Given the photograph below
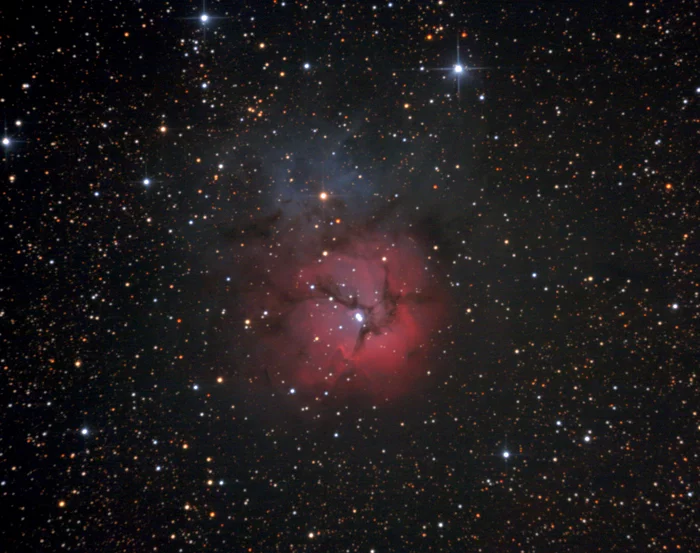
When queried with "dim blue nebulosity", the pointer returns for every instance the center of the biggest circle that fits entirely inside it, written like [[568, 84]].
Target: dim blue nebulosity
[[349, 276]]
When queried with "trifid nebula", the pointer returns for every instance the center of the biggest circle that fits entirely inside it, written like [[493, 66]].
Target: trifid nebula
[[348, 276]]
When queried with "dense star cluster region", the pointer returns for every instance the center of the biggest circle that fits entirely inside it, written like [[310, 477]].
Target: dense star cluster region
[[349, 276]]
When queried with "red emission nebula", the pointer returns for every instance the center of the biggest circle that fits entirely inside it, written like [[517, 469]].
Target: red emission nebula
[[349, 315]]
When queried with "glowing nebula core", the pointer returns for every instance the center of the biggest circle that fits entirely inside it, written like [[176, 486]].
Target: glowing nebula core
[[354, 314]]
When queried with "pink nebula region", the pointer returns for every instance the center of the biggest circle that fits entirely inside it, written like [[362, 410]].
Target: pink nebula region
[[356, 316]]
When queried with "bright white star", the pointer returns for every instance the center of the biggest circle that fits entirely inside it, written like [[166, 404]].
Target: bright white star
[[458, 68]]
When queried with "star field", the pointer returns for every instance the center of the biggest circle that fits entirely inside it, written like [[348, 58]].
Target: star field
[[349, 276]]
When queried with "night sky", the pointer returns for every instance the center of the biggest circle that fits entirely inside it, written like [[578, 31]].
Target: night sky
[[349, 276]]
